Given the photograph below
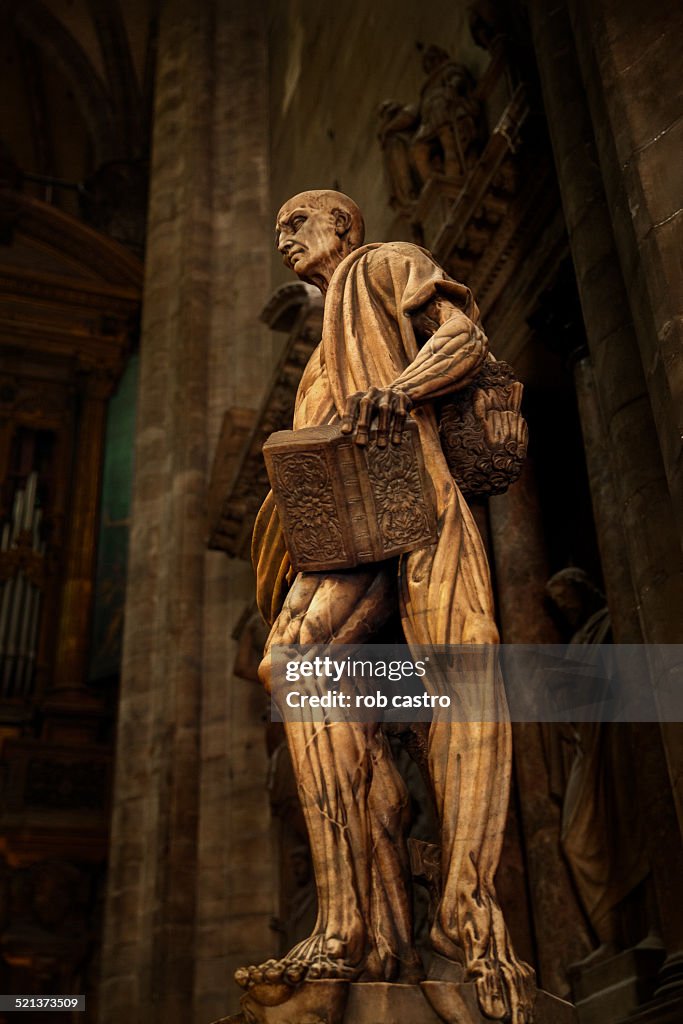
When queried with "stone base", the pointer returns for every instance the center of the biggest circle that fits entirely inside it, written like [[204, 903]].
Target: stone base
[[616, 987], [659, 1011], [375, 1003]]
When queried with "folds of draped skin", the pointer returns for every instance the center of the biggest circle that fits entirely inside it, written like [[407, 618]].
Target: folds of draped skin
[[353, 798]]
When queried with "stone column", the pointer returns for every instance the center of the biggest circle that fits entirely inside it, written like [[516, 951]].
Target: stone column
[[149, 941], [606, 514], [643, 496], [521, 572], [236, 882], [642, 492], [190, 888], [629, 57]]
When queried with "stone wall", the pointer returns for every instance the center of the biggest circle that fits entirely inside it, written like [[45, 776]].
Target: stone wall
[[190, 890], [253, 105], [331, 65]]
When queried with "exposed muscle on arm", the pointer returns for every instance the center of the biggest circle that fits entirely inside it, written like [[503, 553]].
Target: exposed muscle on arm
[[452, 356], [449, 359]]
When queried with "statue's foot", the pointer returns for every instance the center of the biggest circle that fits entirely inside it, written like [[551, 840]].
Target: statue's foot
[[505, 987], [315, 959]]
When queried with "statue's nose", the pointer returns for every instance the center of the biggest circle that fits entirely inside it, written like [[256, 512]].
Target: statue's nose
[[284, 244]]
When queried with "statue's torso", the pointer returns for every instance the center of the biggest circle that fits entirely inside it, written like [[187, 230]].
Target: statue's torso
[[314, 403]]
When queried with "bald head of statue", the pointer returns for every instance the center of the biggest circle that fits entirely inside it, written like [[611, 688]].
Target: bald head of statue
[[315, 231]]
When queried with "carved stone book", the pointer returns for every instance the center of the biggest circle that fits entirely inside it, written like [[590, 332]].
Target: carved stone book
[[341, 505]]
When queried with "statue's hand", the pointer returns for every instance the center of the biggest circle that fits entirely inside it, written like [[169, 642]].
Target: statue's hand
[[389, 406], [500, 416]]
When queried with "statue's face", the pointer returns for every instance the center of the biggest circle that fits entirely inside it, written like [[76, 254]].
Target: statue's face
[[567, 599], [308, 239]]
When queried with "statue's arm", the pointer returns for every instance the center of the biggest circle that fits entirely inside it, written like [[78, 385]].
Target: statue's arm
[[449, 359]]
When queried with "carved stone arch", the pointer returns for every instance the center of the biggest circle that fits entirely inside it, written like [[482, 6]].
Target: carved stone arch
[[67, 248]]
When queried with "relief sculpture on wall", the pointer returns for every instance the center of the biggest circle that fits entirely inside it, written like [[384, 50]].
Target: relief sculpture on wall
[[440, 136], [399, 338]]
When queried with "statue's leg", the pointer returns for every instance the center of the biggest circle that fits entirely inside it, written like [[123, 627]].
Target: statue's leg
[[392, 955], [470, 763], [342, 776]]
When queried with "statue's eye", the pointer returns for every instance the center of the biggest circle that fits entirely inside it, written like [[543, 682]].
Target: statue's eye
[[297, 222]]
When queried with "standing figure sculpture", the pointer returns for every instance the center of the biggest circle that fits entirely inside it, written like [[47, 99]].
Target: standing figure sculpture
[[398, 333], [602, 834], [450, 118]]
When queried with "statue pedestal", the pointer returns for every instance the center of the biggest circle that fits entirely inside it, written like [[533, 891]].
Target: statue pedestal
[[614, 988], [375, 1003]]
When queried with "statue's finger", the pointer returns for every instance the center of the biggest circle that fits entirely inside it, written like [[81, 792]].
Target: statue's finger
[[516, 392], [518, 429], [479, 404], [384, 419], [351, 412], [401, 406], [514, 429], [494, 428], [495, 399], [524, 433], [366, 410]]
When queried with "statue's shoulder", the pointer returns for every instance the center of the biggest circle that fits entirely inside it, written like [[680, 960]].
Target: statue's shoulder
[[382, 253]]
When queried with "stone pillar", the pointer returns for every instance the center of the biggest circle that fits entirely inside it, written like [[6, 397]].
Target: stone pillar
[[148, 951], [609, 527], [180, 810], [643, 496], [521, 572], [644, 499], [237, 890], [642, 492], [629, 57]]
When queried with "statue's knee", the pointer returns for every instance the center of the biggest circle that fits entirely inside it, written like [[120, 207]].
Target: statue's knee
[[480, 629]]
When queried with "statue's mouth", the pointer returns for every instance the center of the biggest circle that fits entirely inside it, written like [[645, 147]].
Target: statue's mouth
[[293, 255]]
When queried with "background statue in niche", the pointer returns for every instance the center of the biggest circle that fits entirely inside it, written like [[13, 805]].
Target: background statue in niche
[[398, 333], [450, 119], [590, 772]]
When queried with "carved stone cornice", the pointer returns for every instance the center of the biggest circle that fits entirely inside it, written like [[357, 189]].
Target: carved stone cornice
[[239, 481], [483, 200], [479, 225]]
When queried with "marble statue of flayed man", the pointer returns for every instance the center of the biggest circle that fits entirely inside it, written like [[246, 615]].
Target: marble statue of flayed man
[[398, 334]]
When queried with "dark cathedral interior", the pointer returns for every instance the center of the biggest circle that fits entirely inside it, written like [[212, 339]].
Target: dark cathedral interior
[[151, 840]]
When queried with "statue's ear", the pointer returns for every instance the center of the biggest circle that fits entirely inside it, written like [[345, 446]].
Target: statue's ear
[[342, 222]]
